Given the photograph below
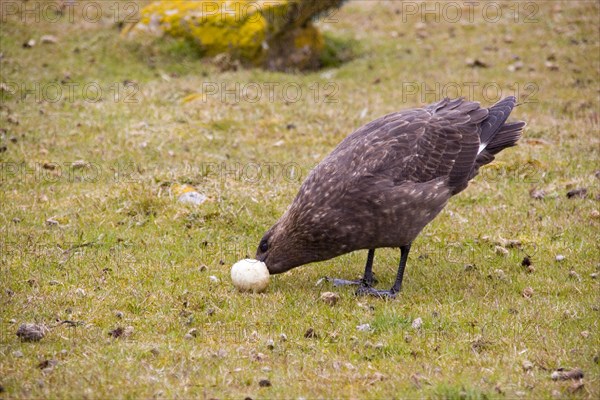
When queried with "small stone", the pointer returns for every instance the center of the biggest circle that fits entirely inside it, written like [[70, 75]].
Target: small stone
[[574, 275], [577, 193], [364, 327], [192, 332], [187, 336], [29, 44], [417, 323], [537, 194], [595, 214], [378, 345], [407, 338], [560, 258], [119, 314], [378, 376], [47, 364], [310, 333], [270, 344], [594, 275], [283, 337], [330, 298], [585, 334], [527, 365], [500, 274], [528, 292], [17, 354], [264, 383], [48, 39], [501, 251], [31, 332], [80, 292], [516, 66], [52, 222], [213, 279], [576, 373], [475, 63], [192, 198], [551, 66], [530, 269], [469, 267], [79, 164]]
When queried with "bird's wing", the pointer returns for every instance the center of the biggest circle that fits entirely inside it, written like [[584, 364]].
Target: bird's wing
[[418, 145]]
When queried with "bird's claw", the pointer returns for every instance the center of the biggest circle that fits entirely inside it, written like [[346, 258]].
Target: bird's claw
[[384, 294]]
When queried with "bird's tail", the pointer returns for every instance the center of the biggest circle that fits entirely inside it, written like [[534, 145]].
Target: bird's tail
[[497, 135]]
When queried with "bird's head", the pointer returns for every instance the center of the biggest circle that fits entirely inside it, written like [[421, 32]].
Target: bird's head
[[287, 245]]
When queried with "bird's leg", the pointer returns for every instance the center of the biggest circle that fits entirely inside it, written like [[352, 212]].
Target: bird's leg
[[367, 280], [404, 250]]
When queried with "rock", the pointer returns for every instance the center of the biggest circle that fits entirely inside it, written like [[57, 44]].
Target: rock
[[576, 373], [560, 258], [194, 198], [17, 354], [364, 327], [330, 298], [48, 39], [417, 323], [283, 337], [516, 66], [574, 275], [476, 63], [310, 334], [528, 292], [193, 332], [537, 194], [500, 274], [264, 383], [580, 193], [270, 344], [32, 332], [527, 365], [29, 44], [585, 334], [501, 251], [595, 214], [120, 332], [79, 164], [278, 35]]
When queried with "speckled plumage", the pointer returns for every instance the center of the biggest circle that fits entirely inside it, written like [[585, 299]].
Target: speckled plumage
[[383, 183]]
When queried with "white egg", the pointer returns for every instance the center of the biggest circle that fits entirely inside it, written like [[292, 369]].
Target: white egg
[[250, 275]]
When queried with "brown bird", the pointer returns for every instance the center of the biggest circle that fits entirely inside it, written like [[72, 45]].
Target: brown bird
[[383, 183]]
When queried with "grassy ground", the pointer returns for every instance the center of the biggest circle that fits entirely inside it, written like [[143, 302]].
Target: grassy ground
[[105, 244]]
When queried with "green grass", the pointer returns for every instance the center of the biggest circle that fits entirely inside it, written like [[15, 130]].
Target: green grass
[[148, 258]]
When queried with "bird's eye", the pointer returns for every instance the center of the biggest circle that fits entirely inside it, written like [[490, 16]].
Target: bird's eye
[[263, 246]]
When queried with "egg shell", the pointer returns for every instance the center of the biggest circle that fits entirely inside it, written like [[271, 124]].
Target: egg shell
[[250, 275]]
